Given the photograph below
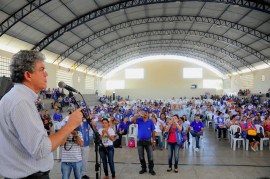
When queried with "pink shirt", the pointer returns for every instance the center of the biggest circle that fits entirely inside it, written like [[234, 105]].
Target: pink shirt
[[172, 135], [246, 126]]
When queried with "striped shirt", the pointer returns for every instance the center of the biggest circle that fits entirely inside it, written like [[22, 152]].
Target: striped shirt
[[71, 151], [25, 146]]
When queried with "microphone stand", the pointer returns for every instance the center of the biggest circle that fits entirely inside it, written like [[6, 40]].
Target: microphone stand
[[97, 140]]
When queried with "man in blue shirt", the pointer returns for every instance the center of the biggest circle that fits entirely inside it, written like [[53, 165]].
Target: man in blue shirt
[[146, 130], [197, 131], [57, 116]]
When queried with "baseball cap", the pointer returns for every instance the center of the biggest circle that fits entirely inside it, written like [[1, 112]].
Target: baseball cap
[[146, 110]]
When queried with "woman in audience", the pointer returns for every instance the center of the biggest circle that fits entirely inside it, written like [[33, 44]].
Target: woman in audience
[[243, 120], [254, 139], [123, 129], [113, 122], [185, 130], [173, 142], [107, 153], [158, 130], [186, 121], [257, 120], [266, 125], [162, 117], [47, 126], [47, 116], [163, 111], [233, 121], [220, 125]]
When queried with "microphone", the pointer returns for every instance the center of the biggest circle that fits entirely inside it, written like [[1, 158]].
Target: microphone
[[61, 84]]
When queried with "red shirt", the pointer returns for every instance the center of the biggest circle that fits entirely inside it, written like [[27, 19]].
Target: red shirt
[[172, 135]]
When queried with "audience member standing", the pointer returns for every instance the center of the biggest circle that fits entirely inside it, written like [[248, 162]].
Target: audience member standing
[[107, 152], [174, 144], [146, 130], [72, 156], [85, 128]]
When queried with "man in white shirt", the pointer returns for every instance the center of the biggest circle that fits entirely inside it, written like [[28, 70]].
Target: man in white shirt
[[29, 146]]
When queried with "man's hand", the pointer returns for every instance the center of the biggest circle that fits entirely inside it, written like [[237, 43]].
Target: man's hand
[[75, 119], [154, 145], [74, 133]]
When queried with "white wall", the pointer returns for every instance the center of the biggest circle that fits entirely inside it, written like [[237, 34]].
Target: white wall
[[259, 85], [51, 79], [76, 83], [162, 93], [163, 79]]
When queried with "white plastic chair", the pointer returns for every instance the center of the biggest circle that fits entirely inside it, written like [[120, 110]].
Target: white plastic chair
[[259, 129], [165, 143], [209, 116], [234, 129], [57, 126], [123, 136], [126, 138], [133, 133], [229, 135]]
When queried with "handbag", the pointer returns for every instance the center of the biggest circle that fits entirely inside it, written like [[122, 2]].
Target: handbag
[[252, 132], [131, 143]]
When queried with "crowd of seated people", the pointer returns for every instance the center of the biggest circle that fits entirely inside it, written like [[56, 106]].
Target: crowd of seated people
[[217, 109], [108, 99], [53, 93], [243, 92]]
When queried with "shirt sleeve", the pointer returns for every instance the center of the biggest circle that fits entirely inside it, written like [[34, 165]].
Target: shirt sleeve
[[138, 120], [152, 126], [111, 131], [80, 135], [30, 130]]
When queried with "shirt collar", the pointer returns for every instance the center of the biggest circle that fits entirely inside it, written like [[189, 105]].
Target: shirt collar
[[31, 93]]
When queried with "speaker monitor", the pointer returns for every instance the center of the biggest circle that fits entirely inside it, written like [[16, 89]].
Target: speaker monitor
[[194, 86], [6, 85]]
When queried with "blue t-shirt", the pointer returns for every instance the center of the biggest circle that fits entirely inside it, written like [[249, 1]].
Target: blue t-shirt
[[145, 128], [197, 126], [57, 117], [124, 126], [118, 116], [84, 128]]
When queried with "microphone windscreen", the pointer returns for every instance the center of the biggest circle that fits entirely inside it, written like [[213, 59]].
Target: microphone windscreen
[[61, 84]]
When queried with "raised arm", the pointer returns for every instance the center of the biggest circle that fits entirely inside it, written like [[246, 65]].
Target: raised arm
[[133, 120]]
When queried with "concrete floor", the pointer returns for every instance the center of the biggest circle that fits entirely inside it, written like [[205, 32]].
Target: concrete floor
[[216, 160]]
